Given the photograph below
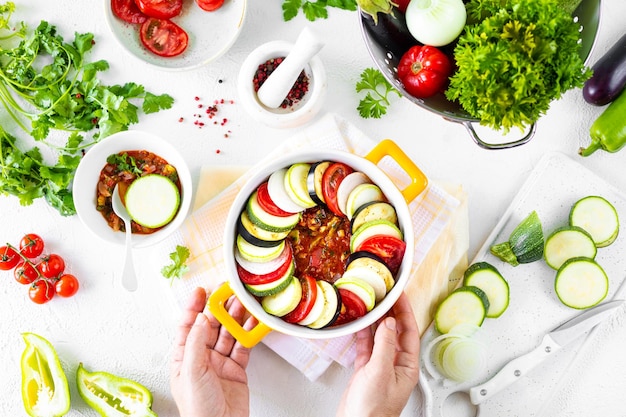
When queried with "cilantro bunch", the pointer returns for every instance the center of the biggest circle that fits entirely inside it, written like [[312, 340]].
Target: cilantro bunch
[[317, 9], [47, 84], [519, 57]]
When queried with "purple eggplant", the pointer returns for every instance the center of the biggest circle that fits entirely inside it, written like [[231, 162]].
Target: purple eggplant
[[609, 76]]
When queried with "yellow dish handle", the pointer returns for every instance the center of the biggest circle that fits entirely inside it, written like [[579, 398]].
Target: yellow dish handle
[[418, 183], [216, 305]]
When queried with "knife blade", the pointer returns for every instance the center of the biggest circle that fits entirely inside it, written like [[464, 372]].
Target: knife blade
[[551, 343]]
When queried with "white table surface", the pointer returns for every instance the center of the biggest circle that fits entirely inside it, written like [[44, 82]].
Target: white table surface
[[131, 335]]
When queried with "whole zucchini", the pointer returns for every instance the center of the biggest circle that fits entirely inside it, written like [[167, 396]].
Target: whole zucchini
[[609, 76]]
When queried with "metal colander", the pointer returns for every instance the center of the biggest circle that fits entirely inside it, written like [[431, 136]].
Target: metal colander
[[388, 39]]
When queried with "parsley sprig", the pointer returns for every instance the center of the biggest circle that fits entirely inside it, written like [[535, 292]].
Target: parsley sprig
[[375, 103], [178, 267], [313, 10], [64, 94]]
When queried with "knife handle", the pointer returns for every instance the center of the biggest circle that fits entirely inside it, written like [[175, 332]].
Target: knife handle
[[513, 370]]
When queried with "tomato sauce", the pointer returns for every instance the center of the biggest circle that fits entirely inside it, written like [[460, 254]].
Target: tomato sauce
[[123, 168], [321, 244]]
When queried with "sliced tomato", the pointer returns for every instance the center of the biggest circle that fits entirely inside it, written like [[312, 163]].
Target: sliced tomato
[[388, 248], [266, 203], [128, 11], [163, 37], [304, 307], [209, 5], [352, 307], [331, 179], [160, 9], [250, 278]]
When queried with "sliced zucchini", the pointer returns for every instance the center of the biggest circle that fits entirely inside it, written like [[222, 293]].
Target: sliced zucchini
[[254, 253], [486, 277], [262, 290], [332, 305], [256, 235], [314, 181], [566, 243], [374, 210], [373, 228], [278, 192], [347, 185], [581, 283], [598, 217], [375, 264], [285, 300], [362, 194], [296, 185], [268, 221], [264, 268], [152, 200], [467, 304], [525, 244], [360, 288]]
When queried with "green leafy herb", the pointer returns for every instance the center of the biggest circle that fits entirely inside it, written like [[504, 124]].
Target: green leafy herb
[[518, 58], [46, 84], [178, 267], [313, 10], [374, 104], [124, 162]]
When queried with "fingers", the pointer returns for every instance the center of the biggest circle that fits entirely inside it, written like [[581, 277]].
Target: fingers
[[225, 341], [408, 339], [241, 354], [384, 350], [195, 305], [364, 345], [196, 345]]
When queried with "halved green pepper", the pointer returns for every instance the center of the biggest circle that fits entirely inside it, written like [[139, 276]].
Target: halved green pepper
[[113, 396], [608, 131], [45, 391]]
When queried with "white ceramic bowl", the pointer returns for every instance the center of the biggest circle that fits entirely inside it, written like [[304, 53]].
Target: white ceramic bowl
[[398, 198], [88, 172], [297, 115], [211, 34]]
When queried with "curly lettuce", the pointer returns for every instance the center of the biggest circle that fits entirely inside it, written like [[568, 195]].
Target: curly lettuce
[[517, 58]]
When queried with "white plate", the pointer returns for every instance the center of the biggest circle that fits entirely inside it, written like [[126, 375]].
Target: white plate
[[554, 185], [211, 34]]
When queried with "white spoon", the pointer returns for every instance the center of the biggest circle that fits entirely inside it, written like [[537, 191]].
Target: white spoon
[[281, 80], [129, 280]]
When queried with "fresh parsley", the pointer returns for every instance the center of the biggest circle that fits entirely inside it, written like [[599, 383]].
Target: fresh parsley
[[124, 162], [519, 57], [47, 84], [375, 103], [178, 267], [313, 10]]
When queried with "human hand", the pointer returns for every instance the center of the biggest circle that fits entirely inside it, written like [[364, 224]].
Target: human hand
[[208, 367], [386, 368]]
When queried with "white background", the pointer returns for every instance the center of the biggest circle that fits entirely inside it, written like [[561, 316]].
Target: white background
[[131, 335]]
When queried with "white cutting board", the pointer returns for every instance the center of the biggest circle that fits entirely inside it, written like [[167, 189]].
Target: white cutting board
[[553, 186]]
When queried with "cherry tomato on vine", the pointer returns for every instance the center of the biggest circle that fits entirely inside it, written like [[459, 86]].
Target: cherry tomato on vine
[[9, 258], [31, 245], [424, 71], [209, 5], [51, 266], [67, 285], [25, 273], [41, 291]]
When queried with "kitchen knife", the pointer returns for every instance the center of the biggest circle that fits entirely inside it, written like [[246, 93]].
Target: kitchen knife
[[551, 343]]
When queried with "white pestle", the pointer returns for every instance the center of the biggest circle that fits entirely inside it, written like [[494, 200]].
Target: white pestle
[[281, 80]]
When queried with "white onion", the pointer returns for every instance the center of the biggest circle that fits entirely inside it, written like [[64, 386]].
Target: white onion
[[435, 22]]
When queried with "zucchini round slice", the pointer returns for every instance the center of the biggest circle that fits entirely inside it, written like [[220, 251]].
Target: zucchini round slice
[[467, 304], [581, 283], [566, 243], [598, 217], [486, 277]]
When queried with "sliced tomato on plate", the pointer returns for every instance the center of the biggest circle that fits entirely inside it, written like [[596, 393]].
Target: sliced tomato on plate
[[331, 179], [161, 9], [388, 248], [209, 5], [266, 203], [304, 307], [352, 307], [128, 11], [163, 37]]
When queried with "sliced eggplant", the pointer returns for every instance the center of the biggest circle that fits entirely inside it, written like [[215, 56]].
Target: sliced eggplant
[[332, 305], [256, 235], [254, 253], [314, 181], [374, 210]]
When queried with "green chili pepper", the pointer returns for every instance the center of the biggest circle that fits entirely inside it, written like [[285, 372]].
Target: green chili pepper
[[113, 396], [608, 132], [45, 391]]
